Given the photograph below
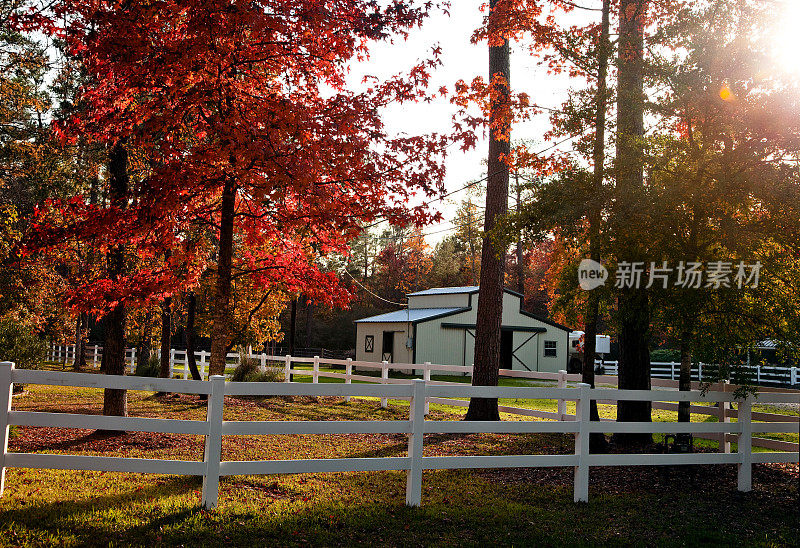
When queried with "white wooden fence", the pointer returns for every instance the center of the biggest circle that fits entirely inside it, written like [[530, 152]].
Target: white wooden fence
[[288, 365], [762, 374], [211, 468]]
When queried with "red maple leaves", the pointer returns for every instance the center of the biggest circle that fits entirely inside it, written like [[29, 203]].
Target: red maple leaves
[[211, 92]]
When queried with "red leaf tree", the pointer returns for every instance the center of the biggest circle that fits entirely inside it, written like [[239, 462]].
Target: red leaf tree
[[250, 136]]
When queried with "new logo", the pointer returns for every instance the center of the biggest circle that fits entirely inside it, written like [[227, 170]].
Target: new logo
[[591, 274]]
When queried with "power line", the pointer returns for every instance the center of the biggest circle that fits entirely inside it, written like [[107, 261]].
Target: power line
[[481, 180], [362, 286]]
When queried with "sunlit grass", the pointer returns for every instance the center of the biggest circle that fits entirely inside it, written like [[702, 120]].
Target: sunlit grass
[[71, 508]]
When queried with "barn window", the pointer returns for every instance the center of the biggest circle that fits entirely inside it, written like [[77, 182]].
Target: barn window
[[550, 349], [369, 343]]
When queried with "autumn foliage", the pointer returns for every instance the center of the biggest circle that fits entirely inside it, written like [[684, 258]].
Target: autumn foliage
[[257, 158]]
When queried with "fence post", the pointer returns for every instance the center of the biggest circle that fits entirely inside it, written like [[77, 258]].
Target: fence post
[[416, 415], [745, 446], [582, 415], [758, 373], [699, 371], [213, 449], [6, 389], [793, 376], [562, 405], [203, 369], [426, 376], [384, 376], [348, 375], [59, 353], [315, 373], [94, 357], [263, 359], [672, 370], [724, 416], [287, 369]]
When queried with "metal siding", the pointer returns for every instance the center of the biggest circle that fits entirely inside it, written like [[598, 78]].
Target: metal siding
[[527, 354], [553, 365], [442, 346], [439, 301]]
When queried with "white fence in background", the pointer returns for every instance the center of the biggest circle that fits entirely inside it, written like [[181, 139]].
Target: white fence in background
[[289, 367], [211, 468], [761, 374]]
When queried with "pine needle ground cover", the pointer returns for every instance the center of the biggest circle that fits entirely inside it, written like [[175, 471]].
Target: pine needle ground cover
[[637, 505]]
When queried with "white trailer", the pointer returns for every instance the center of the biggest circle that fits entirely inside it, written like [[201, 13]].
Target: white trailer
[[575, 363]]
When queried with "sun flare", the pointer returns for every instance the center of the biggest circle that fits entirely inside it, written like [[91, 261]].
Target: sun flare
[[787, 37]]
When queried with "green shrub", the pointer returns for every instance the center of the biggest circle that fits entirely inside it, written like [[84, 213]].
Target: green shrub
[[150, 369], [249, 370], [13, 432], [665, 355], [20, 344]]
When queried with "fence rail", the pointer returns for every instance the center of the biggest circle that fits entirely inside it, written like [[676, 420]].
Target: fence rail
[[212, 467], [288, 364], [766, 375]]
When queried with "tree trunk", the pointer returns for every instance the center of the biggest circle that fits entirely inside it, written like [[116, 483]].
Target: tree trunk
[[633, 303], [81, 325], [102, 321], [166, 338], [143, 350], [490, 298], [115, 402], [191, 359], [222, 293], [597, 440], [685, 379], [471, 242], [309, 322]]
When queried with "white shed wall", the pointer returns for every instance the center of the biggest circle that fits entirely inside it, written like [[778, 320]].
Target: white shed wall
[[439, 301], [401, 353]]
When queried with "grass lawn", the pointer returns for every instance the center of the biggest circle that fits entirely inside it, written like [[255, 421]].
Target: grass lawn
[[640, 506]]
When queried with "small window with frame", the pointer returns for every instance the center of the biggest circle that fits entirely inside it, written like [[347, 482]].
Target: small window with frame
[[550, 349], [369, 343]]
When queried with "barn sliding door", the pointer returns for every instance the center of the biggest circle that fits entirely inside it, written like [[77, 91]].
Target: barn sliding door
[[387, 348]]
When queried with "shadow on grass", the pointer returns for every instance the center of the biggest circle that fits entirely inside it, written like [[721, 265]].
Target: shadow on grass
[[35, 439], [459, 508]]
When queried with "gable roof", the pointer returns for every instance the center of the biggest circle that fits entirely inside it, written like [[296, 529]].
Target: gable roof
[[412, 315], [446, 291]]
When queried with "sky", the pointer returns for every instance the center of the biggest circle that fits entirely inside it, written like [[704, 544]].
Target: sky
[[461, 60]]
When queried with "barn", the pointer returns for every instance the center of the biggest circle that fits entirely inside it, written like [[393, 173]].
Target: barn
[[439, 327]]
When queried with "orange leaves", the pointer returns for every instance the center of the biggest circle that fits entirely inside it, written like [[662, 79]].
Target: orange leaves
[[205, 93]]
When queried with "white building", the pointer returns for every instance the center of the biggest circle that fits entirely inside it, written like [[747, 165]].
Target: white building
[[439, 327]]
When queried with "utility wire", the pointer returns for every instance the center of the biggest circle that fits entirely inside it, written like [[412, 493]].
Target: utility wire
[[372, 293]]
